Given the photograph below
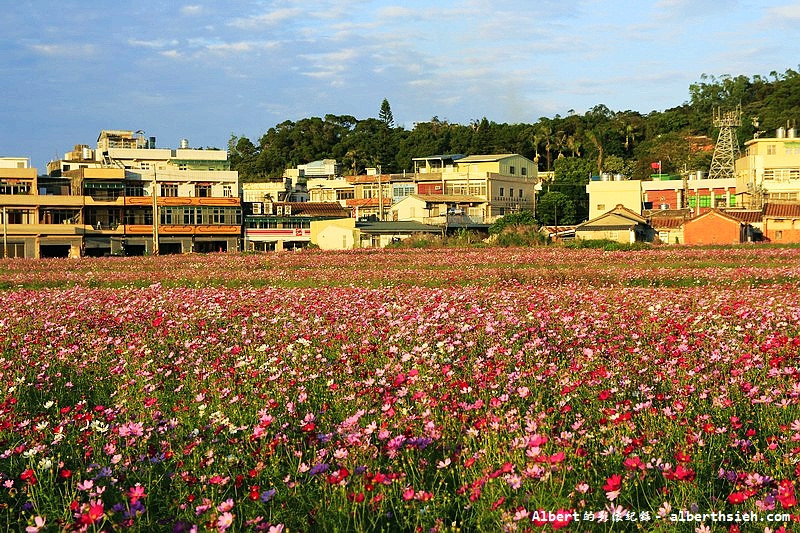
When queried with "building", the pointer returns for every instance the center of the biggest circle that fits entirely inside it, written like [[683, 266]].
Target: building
[[281, 225], [440, 209], [769, 169], [349, 233], [663, 192], [103, 201], [605, 192], [193, 191], [35, 223], [620, 224], [782, 222], [668, 224], [716, 227], [505, 181]]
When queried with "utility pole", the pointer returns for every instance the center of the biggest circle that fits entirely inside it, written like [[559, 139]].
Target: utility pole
[[380, 195], [154, 193], [5, 233]]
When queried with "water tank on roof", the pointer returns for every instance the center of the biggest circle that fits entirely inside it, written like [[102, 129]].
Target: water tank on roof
[[86, 153], [780, 133], [664, 207], [184, 143], [791, 133], [618, 177], [605, 176]]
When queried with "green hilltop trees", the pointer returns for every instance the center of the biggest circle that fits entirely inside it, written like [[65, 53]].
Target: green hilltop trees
[[575, 146]]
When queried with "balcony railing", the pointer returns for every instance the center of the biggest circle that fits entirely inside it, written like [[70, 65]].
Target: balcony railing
[[456, 220]]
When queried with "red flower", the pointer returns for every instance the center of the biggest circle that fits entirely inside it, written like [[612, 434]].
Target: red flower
[[498, 503], [614, 482], [786, 494], [737, 498], [29, 476], [632, 463]]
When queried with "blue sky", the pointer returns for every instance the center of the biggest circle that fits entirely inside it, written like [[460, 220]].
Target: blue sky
[[204, 70]]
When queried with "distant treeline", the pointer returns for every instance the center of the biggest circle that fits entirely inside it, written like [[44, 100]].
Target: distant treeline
[[574, 146]]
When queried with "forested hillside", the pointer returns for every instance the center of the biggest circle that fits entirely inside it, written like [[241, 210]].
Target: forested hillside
[[575, 145]]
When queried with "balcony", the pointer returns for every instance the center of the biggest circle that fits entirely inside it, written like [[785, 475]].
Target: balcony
[[457, 221]]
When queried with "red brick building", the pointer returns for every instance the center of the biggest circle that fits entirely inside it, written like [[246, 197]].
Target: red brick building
[[715, 227]]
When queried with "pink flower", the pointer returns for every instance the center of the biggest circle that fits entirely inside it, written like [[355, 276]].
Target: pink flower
[[224, 521], [38, 522]]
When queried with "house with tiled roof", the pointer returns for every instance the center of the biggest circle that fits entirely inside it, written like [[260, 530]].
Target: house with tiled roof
[[442, 209], [782, 222], [669, 228], [619, 224], [716, 227]]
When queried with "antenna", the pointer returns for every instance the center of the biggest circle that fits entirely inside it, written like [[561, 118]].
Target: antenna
[[727, 148]]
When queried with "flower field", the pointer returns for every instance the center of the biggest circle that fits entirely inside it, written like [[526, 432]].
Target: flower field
[[444, 390]]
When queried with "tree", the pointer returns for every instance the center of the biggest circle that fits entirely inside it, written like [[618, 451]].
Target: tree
[[521, 218], [385, 114], [555, 208]]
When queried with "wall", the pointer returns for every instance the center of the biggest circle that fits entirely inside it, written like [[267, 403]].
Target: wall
[[712, 228], [782, 230], [338, 234], [605, 195]]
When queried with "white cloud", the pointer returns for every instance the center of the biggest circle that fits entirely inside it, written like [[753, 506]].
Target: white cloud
[[783, 15], [191, 10], [266, 19], [172, 54], [64, 49], [241, 47], [157, 43]]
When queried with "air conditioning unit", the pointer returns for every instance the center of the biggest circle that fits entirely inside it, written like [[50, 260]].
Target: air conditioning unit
[[279, 210], [287, 210], [257, 208]]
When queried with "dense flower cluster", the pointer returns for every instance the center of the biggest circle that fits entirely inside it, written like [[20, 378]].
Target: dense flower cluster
[[474, 402]]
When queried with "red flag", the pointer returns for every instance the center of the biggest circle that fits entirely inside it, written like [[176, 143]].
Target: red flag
[[655, 165]]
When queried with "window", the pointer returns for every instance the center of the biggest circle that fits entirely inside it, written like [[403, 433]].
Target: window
[[520, 193], [12, 188], [345, 194], [778, 234], [512, 170], [511, 192], [502, 192], [169, 189], [168, 215], [135, 188], [770, 149], [183, 166], [202, 190], [227, 192], [601, 207], [188, 215], [524, 171], [144, 165]]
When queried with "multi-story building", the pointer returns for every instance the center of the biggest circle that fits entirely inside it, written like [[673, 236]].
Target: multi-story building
[[663, 192], [505, 182], [769, 169], [282, 225], [33, 224], [103, 201]]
